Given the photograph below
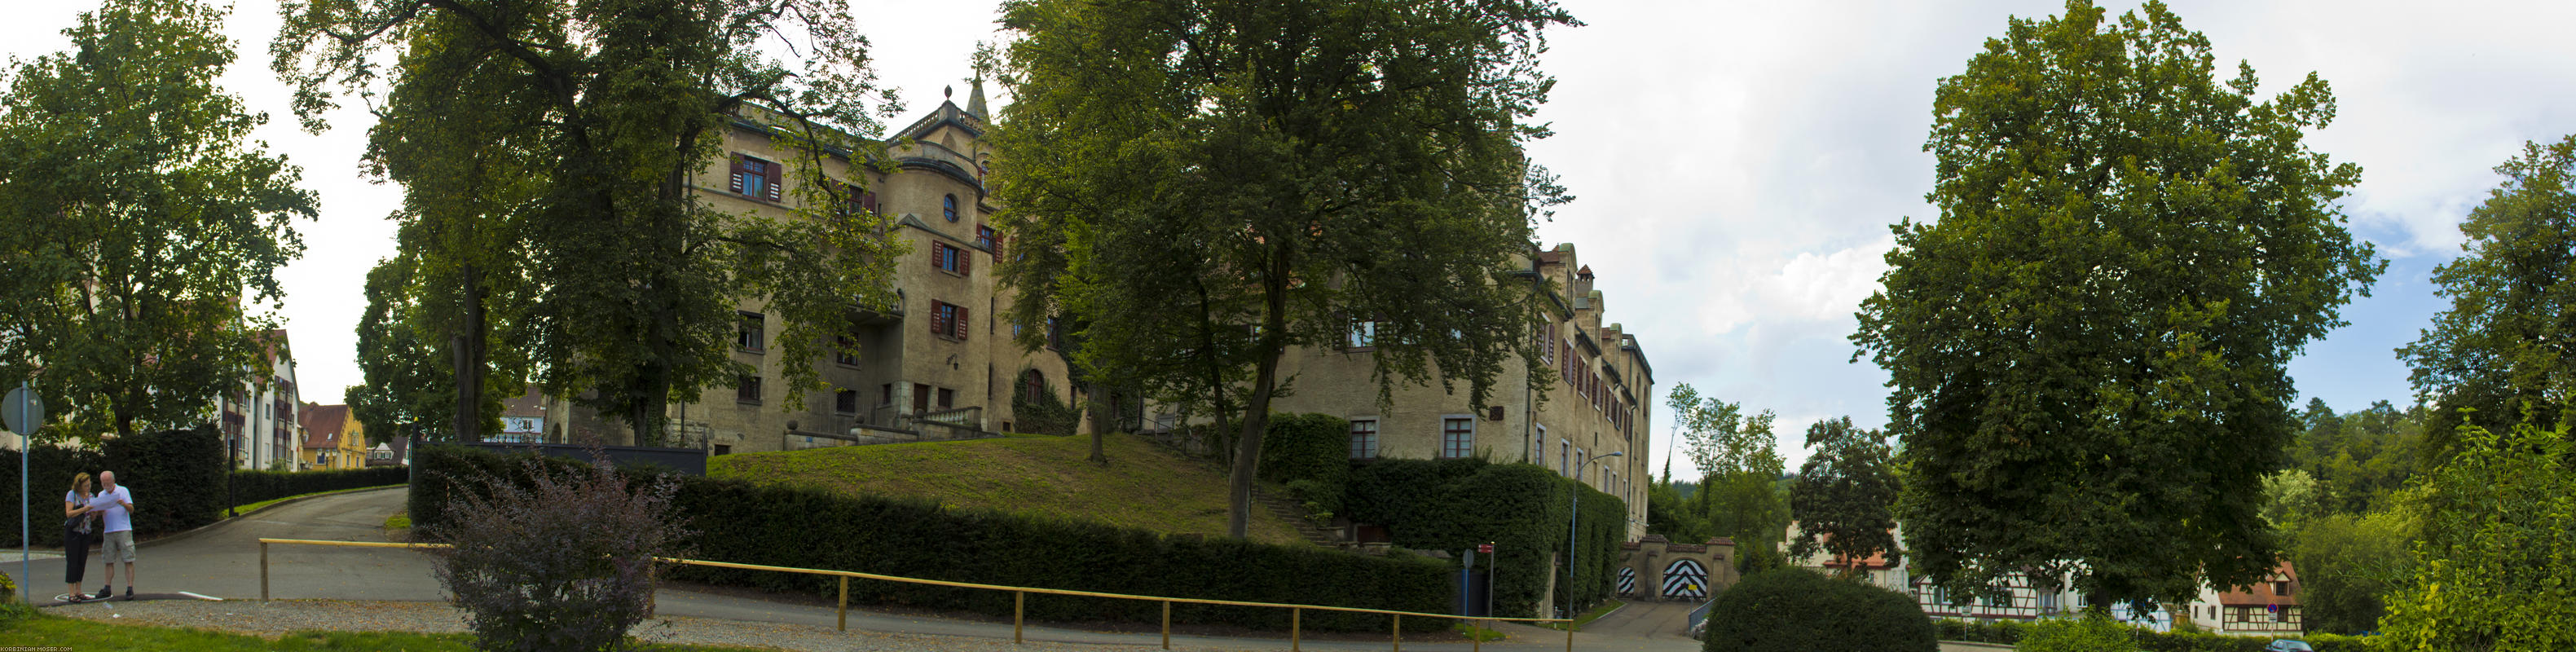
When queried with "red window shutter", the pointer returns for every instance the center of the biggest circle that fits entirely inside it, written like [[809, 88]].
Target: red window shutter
[[938, 255], [772, 171], [737, 174], [997, 247], [938, 318], [962, 321], [965, 263], [868, 201]]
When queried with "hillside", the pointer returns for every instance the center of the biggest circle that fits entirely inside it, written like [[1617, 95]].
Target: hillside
[[1143, 486]]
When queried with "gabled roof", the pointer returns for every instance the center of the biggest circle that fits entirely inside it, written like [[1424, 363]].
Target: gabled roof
[[2263, 593], [322, 424]]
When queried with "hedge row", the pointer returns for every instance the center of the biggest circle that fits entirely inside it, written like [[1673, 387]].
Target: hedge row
[[1793, 609], [2010, 632], [169, 473], [254, 486], [1521, 508], [815, 528]]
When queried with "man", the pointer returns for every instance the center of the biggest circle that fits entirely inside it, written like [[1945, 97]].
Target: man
[[116, 506]]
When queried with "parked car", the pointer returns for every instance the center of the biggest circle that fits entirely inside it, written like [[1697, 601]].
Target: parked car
[[2287, 645]]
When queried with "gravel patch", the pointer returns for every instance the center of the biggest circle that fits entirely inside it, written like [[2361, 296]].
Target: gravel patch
[[272, 619]]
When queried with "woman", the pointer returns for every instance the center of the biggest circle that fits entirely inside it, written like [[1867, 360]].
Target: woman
[[79, 526]]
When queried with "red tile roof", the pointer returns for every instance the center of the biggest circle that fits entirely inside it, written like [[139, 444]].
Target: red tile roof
[[2267, 591], [322, 424]]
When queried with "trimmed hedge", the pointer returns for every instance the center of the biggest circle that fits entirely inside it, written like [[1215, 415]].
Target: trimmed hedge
[[254, 486], [2010, 632], [1521, 508], [1798, 609], [169, 473], [815, 528], [1313, 447]]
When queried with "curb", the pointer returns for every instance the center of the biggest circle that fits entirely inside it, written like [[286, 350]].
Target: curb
[[155, 541]]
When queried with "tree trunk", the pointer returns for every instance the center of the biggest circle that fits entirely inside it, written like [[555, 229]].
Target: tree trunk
[[468, 350], [1256, 417], [1101, 420]]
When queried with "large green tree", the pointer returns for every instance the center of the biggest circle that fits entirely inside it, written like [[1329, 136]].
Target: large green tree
[[2497, 567], [2086, 351], [1844, 497], [1741, 493], [547, 150], [2502, 347], [143, 223], [1206, 185], [2348, 563]]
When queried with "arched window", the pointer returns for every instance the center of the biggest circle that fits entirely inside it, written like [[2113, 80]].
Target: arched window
[[1032, 385], [948, 207]]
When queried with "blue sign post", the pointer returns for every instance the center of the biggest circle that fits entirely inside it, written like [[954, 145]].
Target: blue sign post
[[21, 411]]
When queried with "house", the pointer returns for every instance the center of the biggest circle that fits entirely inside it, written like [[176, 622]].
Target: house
[[1599, 405], [333, 439], [2266, 608], [939, 363], [1881, 569], [259, 418]]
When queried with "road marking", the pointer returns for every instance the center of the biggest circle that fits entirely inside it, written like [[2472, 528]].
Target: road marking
[[201, 597]]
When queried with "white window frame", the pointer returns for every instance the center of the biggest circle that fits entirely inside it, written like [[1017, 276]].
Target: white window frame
[[1363, 334]]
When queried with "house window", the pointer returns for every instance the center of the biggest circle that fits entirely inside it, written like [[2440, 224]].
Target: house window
[[2281, 589], [948, 207], [947, 398], [1032, 385], [948, 320], [1546, 336], [747, 330], [920, 398], [845, 349], [755, 178], [746, 389], [846, 401], [1363, 439], [1565, 458], [948, 258], [1457, 437], [1363, 334], [990, 240], [856, 201], [885, 394]]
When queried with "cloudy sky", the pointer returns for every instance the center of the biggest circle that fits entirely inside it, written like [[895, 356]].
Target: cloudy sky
[[1738, 164]]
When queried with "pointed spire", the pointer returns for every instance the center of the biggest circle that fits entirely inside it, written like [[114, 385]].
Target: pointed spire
[[975, 97]]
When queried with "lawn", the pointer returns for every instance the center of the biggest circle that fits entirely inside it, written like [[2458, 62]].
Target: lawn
[[93, 636], [246, 509], [1143, 486]]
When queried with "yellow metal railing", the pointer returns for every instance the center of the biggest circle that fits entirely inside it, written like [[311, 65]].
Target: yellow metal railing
[[1019, 597]]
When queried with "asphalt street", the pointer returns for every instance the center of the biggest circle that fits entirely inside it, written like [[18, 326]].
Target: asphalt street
[[223, 561]]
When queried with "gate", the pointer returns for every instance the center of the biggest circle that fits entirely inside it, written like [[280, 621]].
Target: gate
[[1686, 579], [1627, 581]]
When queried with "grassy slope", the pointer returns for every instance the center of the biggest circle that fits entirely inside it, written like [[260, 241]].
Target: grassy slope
[[90, 635], [1142, 487]]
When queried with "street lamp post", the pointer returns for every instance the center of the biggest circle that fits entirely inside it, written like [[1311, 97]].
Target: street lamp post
[[1574, 514]]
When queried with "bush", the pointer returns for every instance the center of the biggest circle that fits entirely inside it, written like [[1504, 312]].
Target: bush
[[1798, 609], [1045, 414], [1520, 508], [50, 469], [2093, 633], [255, 486], [171, 473], [1314, 447], [564, 561], [742, 522]]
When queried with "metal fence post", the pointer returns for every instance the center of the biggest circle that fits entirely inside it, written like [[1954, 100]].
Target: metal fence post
[[845, 603], [263, 571]]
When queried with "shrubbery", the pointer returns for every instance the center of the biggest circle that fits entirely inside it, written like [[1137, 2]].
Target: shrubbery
[[1456, 504], [1798, 609], [1045, 414], [552, 560], [815, 528], [170, 473], [2011, 632], [254, 486], [2091, 634]]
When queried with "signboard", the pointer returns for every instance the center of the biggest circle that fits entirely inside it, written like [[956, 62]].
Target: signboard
[[1486, 548], [523, 425], [21, 411]]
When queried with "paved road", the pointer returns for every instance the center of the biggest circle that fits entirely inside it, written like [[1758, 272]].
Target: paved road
[[223, 561], [1645, 626]]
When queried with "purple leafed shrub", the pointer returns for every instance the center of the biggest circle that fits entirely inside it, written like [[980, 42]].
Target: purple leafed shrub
[[562, 562]]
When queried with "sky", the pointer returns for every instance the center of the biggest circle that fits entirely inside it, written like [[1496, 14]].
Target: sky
[[1736, 165]]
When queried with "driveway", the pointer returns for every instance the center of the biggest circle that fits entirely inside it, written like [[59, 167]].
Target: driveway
[[223, 561]]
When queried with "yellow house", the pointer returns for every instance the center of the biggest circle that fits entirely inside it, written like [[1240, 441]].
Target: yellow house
[[333, 440]]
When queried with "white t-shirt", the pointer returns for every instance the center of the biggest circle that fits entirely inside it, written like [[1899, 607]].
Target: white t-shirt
[[108, 502]]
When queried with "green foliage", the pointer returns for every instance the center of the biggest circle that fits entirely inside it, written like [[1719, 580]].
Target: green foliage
[[1045, 414], [2498, 356], [2086, 348], [173, 475], [50, 471], [738, 521], [551, 558], [1740, 495], [2289, 498], [1672, 514], [1313, 447], [2498, 553], [547, 149], [1203, 185], [2347, 563], [143, 221], [2093, 633], [1843, 494], [2013, 632], [255, 486], [2360, 459], [1796, 609], [1520, 508]]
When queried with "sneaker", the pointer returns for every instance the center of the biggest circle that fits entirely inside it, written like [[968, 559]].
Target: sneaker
[[104, 592], [129, 593]]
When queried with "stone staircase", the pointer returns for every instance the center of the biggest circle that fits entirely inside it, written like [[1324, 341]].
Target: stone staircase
[[1295, 515]]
